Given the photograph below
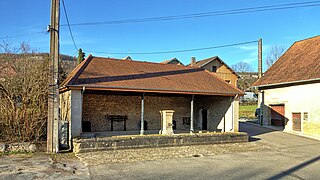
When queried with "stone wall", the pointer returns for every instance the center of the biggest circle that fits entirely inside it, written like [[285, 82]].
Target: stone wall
[[18, 147], [128, 142], [220, 115], [97, 107]]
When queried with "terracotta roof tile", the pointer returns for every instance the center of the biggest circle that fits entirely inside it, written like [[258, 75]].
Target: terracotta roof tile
[[109, 73], [301, 62]]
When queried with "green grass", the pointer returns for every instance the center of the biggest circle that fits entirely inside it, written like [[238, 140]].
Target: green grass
[[247, 111]]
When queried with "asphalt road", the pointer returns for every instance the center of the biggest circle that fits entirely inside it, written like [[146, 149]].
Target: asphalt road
[[289, 157]]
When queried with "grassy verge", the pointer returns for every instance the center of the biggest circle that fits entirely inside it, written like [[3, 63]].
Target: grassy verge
[[247, 111]]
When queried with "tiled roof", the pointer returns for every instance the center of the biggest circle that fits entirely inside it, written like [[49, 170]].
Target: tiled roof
[[118, 75], [301, 62], [172, 61], [203, 62]]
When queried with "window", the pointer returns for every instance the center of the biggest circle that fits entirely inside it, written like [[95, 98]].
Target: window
[[305, 116], [228, 81], [214, 69]]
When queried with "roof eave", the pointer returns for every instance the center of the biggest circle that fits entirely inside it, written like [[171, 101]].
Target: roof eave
[[286, 83], [132, 89]]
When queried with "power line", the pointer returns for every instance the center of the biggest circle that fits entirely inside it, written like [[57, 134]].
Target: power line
[[27, 34], [206, 14], [65, 13], [186, 16], [175, 51]]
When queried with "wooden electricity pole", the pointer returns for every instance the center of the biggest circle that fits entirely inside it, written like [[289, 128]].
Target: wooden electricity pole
[[260, 58], [53, 98]]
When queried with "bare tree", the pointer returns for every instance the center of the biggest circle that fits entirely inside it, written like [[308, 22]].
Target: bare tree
[[242, 67], [274, 54], [23, 94]]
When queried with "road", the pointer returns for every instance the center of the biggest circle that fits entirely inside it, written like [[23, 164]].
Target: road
[[289, 157]]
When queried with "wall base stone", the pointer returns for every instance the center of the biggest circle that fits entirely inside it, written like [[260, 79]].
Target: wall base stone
[[17, 147], [151, 141]]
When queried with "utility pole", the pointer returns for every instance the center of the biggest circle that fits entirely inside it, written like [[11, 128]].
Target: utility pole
[[260, 58], [53, 98], [260, 94]]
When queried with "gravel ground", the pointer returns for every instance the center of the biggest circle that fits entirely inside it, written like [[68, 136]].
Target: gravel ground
[[147, 154], [42, 166]]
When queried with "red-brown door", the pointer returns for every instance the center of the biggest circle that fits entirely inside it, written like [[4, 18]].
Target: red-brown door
[[277, 115], [296, 122]]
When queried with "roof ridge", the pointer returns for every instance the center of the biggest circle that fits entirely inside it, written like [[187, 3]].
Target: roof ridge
[[138, 61], [317, 36], [221, 61]]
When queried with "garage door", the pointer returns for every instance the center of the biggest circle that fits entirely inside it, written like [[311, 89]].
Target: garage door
[[277, 115], [296, 122]]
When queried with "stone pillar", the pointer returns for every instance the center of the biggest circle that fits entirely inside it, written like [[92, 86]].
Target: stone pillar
[[236, 114], [76, 113], [166, 122]]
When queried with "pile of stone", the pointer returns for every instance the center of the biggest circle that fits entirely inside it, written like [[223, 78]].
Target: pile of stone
[[18, 147]]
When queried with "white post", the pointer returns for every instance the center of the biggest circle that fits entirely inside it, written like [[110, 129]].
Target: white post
[[142, 115], [191, 115]]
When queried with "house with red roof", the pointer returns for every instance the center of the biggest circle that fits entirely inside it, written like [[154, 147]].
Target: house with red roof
[[107, 95], [217, 66], [290, 89]]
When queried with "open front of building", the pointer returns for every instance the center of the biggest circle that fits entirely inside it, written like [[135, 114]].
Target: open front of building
[[121, 112]]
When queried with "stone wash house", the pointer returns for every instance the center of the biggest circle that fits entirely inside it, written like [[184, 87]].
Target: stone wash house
[[290, 89], [218, 67], [106, 95]]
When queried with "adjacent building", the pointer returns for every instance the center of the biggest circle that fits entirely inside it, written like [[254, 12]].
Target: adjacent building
[[218, 67], [290, 89]]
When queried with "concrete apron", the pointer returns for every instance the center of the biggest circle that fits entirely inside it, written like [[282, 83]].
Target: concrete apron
[[109, 142]]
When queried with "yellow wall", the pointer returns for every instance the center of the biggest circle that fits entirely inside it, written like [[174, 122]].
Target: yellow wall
[[223, 72]]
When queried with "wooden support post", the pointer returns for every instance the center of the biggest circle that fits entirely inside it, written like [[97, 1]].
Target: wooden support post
[[142, 115], [191, 115]]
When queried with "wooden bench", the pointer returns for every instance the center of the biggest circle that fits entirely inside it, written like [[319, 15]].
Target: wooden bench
[[118, 118]]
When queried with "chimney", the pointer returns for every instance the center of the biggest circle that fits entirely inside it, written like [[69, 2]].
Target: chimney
[[193, 61]]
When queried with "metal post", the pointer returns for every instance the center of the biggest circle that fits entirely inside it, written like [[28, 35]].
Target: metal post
[[53, 97], [260, 58], [191, 115], [142, 115]]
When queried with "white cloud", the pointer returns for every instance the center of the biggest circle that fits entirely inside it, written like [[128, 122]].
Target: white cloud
[[248, 48]]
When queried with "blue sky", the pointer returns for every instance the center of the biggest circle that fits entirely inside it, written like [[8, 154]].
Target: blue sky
[[274, 27]]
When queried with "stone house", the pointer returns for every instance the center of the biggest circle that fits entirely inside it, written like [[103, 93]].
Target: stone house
[[218, 67], [126, 96], [290, 89]]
